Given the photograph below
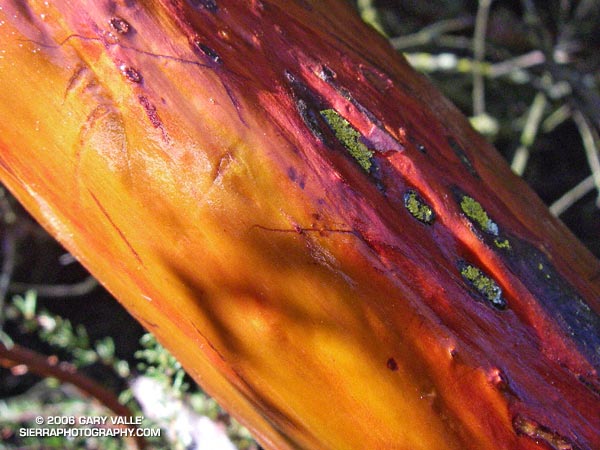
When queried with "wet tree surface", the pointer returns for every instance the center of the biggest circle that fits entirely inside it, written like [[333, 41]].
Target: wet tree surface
[[431, 259]]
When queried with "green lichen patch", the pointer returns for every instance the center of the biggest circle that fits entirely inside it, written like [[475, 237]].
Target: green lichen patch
[[475, 212], [483, 284], [349, 137], [503, 244], [420, 210]]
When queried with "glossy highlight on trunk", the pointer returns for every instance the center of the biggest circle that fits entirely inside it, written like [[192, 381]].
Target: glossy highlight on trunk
[[328, 299]]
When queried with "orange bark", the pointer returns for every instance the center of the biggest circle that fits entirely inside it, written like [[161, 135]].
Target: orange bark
[[423, 298]]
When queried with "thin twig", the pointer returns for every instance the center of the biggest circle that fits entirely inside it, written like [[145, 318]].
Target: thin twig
[[431, 33], [370, 14], [554, 119], [531, 59], [563, 14], [9, 249], [481, 21], [532, 18], [50, 367], [589, 139], [573, 195], [530, 131], [56, 290], [450, 41], [6, 210]]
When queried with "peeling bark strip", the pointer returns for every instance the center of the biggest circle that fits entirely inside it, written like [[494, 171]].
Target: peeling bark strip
[[317, 219]]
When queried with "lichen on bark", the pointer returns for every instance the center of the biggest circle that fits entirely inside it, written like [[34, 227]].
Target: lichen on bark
[[349, 137]]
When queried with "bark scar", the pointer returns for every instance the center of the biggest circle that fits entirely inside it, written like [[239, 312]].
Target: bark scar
[[77, 75], [153, 116]]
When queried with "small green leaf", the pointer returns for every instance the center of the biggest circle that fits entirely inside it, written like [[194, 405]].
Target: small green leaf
[[105, 349]]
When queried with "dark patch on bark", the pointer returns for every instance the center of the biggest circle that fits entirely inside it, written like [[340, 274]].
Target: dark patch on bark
[[131, 73], [209, 5], [462, 156], [392, 364], [119, 25], [561, 300], [208, 52], [308, 104]]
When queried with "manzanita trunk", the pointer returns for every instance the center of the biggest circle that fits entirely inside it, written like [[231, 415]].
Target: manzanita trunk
[[308, 225]]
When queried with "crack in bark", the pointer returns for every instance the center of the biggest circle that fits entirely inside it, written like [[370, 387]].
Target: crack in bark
[[122, 46], [234, 101], [302, 230], [116, 228]]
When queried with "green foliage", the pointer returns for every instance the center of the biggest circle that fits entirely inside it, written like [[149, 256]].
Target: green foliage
[[50, 398], [60, 334], [370, 14], [157, 362]]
